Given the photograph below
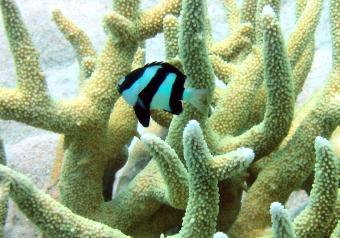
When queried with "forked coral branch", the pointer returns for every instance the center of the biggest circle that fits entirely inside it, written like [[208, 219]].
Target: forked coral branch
[[249, 136]]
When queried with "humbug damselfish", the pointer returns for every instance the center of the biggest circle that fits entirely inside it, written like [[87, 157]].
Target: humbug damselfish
[[158, 85]]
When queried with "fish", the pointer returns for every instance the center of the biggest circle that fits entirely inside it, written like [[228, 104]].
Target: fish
[[159, 85]]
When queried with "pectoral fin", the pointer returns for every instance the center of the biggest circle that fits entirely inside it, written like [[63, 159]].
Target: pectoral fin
[[142, 114]]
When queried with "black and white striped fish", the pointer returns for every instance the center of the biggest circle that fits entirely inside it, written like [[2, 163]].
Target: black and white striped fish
[[158, 85]]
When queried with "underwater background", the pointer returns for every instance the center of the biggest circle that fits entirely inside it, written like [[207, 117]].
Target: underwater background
[[32, 151]]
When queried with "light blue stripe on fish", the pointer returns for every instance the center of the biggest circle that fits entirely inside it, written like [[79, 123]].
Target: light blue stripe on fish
[[162, 97], [131, 94]]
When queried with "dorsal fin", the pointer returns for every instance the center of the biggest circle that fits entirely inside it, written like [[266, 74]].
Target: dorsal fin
[[166, 66], [173, 69], [153, 63]]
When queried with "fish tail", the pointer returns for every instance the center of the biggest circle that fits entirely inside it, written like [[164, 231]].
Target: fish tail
[[196, 97]]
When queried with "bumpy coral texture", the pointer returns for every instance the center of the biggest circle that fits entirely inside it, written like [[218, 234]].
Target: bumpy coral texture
[[248, 137]]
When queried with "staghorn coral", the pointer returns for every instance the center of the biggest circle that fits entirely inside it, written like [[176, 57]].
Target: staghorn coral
[[96, 113], [264, 76], [281, 224], [314, 219], [4, 192]]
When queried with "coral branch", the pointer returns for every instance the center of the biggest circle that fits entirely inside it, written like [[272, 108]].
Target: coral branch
[[139, 59], [192, 40], [122, 126], [302, 68], [31, 103], [336, 214], [233, 14], [30, 78], [336, 232], [170, 26], [112, 64], [300, 5], [151, 21], [301, 58], [4, 193], [232, 164], [172, 170], [265, 137], [224, 71], [162, 118], [260, 28], [127, 8], [86, 54], [229, 117], [87, 67], [171, 31], [304, 30], [248, 14], [196, 65], [51, 217], [149, 198], [297, 156], [314, 220], [122, 29], [281, 224], [234, 44], [61, 117], [76, 36], [335, 31], [201, 212]]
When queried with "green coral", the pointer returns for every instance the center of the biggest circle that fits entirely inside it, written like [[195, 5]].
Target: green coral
[[233, 14], [86, 54], [314, 220], [51, 217], [199, 170], [196, 65], [316, 217], [264, 137], [281, 224], [87, 121], [202, 208], [336, 232], [4, 193], [242, 89]]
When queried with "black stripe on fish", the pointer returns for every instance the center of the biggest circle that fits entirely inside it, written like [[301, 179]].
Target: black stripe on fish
[[171, 68], [176, 95], [151, 89], [130, 79], [145, 97], [142, 113], [177, 88], [135, 75]]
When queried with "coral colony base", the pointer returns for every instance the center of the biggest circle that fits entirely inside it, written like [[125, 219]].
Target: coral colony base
[[254, 140]]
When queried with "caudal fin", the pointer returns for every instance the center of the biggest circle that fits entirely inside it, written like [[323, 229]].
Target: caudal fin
[[196, 97]]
